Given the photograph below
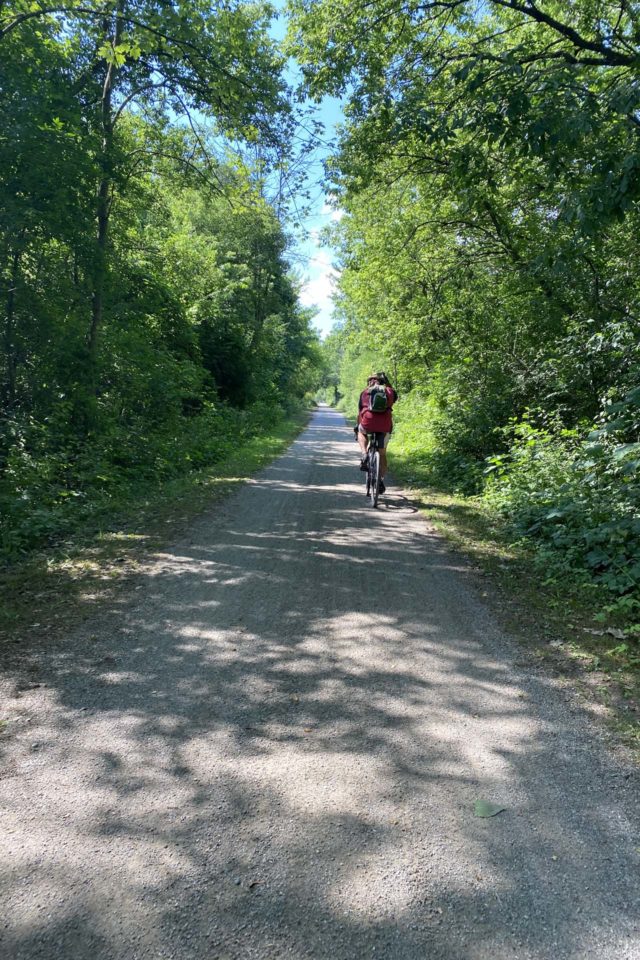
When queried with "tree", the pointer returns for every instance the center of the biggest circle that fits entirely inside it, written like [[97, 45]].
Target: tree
[[436, 81], [161, 59]]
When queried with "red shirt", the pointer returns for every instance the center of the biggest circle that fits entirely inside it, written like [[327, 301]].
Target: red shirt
[[376, 422]]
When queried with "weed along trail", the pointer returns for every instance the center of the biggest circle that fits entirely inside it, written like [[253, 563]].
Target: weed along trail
[[273, 745]]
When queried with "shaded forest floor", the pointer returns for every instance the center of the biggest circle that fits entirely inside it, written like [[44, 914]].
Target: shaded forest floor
[[47, 591], [555, 622]]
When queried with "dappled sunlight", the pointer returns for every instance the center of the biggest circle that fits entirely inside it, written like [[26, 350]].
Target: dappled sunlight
[[121, 536], [286, 732]]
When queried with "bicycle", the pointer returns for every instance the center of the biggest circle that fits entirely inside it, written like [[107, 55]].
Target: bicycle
[[373, 469]]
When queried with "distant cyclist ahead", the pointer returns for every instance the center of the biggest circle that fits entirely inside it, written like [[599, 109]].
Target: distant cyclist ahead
[[374, 416]]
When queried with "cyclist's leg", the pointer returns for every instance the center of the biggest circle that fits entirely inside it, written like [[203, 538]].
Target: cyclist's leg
[[362, 442], [382, 444]]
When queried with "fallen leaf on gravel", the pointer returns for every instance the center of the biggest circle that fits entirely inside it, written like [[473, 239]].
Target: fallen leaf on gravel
[[294, 698], [308, 729], [485, 809]]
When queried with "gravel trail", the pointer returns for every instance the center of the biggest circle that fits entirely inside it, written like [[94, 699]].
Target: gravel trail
[[272, 745]]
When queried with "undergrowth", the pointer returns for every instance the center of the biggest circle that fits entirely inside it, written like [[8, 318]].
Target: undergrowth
[[569, 497], [574, 495], [47, 491]]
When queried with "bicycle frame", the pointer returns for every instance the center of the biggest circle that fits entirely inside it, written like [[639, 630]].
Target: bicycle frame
[[373, 469]]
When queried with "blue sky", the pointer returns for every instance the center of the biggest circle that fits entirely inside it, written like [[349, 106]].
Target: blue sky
[[313, 261]]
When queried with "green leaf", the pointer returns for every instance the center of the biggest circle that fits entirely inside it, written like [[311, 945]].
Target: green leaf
[[624, 449], [484, 808]]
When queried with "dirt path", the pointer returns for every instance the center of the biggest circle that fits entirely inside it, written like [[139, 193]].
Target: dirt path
[[272, 747]]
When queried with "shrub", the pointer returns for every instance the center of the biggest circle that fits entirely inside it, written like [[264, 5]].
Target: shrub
[[575, 494], [48, 491]]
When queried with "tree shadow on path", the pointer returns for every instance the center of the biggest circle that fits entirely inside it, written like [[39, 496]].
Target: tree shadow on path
[[275, 749]]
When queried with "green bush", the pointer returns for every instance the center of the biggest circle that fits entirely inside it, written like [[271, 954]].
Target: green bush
[[46, 493], [575, 494], [429, 440]]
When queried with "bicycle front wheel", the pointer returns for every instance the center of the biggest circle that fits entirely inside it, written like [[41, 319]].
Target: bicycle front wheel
[[374, 477]]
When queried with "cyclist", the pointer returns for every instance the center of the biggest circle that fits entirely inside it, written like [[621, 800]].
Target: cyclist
[[375, 421]]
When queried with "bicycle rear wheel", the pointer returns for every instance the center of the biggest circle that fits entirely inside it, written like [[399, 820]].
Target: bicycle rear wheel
[[373, 480]]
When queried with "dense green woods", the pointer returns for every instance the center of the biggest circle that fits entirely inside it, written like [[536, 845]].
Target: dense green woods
[[149, 317], [488, 170]]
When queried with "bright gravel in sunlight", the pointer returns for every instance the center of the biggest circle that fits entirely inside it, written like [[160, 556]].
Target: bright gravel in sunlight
[[272, 746]]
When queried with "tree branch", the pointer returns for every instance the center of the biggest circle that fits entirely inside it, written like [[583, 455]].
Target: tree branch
[[610, 57]]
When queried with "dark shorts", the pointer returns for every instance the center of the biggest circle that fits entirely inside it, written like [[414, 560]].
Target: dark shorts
[[380, 437]]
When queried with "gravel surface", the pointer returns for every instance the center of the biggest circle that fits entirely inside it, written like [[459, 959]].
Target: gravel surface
[[272, 745]]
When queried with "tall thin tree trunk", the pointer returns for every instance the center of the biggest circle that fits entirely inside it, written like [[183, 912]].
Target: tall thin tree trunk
[[100, 266], [9, 331], [112, 33]]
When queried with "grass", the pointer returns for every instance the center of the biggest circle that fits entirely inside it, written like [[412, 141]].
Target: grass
[[555, 621], [45, 592]]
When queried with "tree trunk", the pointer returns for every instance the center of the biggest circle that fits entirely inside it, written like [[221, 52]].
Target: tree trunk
[[112, 34], [101, 265], [9, 332]]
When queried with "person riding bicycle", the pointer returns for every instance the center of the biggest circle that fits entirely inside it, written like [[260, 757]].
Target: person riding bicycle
[[374, 416]]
